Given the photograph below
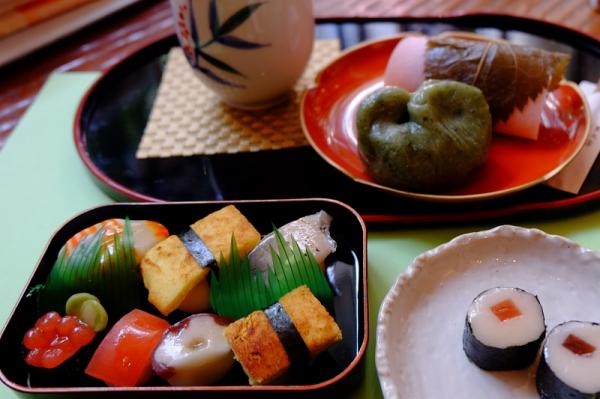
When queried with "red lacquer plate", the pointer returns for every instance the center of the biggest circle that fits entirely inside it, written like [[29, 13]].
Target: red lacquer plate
[[328, 119]]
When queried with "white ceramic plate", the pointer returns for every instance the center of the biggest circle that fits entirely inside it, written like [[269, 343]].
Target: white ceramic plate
[[419, 332]]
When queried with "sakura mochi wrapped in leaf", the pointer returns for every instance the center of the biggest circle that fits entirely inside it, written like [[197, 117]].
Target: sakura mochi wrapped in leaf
[[515, 80]]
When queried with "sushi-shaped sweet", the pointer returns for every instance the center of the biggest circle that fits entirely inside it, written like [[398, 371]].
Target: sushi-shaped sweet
[[145, 234], [194, 351], [504, 329], [124, 357], [102, 260], [173, 270], [570, 363], [237, 290], [514, 79], [310, 232], [289, 333]]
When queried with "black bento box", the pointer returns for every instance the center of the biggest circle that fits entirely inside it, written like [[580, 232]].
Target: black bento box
[[346, 272]]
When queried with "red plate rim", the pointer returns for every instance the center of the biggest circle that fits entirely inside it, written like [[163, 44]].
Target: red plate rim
[[447, 198]]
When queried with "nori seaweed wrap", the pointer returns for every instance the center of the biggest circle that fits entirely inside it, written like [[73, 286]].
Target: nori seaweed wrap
[[504, 329], [570, 363]]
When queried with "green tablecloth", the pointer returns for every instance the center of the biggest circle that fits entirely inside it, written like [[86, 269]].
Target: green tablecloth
[[44, 183]]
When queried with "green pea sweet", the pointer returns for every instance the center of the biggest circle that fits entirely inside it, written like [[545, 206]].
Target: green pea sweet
[[87, 308], [428, 141]]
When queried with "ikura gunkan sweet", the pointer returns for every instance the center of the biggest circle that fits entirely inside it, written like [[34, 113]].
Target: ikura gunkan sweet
[[570, 363], [53, 340], [504, 329]]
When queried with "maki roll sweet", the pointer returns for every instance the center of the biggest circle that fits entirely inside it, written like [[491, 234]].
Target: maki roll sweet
[[504, 329], [570, 362]]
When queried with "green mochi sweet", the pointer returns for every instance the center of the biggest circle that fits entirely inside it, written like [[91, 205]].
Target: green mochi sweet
[[427, 141]]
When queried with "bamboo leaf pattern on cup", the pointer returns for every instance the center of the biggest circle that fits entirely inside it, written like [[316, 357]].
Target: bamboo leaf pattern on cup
[[196, 51]]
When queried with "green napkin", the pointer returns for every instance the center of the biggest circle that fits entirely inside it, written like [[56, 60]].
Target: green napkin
[[44, 183]]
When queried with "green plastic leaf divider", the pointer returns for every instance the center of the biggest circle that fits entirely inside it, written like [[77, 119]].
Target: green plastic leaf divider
[[65, 271], [238, 291], [91, 267]]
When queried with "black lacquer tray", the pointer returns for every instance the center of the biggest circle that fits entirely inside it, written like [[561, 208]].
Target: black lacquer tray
[[346, 271], [113, 114]]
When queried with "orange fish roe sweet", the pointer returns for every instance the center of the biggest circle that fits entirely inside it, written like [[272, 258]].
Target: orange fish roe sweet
[[53, 339]]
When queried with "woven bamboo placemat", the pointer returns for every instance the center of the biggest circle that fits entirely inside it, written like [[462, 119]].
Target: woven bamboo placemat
[[188, 119]]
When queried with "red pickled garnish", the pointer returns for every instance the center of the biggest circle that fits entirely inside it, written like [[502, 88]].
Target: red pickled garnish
[[578, 346], [53, 339], [505, 310]]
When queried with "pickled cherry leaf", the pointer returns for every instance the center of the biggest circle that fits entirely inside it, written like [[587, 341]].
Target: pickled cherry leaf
[[509, 75]]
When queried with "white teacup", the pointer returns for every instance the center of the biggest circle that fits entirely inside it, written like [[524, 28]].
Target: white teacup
[[250, 52]]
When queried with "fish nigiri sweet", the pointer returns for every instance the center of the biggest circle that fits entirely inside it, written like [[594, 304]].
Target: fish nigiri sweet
[[514, 79], [145, 234], [194, 351], [102, 260], [311, 232]]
